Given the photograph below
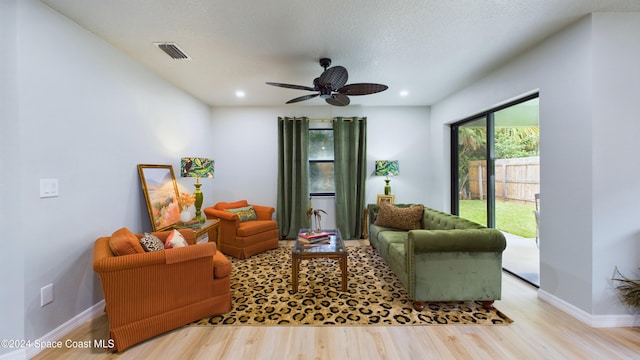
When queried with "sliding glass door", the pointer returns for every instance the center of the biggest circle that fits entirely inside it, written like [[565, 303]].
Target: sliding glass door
[[496, 178], [472, 170]]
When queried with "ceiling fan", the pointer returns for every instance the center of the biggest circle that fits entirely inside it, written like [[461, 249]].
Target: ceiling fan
[[331, 86]]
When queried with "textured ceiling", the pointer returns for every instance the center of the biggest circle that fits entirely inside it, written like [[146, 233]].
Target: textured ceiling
[[429, 48]]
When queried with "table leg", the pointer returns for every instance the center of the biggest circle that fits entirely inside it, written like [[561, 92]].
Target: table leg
[[295, 264], [343, 268]]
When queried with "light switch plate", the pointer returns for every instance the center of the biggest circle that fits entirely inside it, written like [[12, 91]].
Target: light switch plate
[[49, 188], [46, 295]]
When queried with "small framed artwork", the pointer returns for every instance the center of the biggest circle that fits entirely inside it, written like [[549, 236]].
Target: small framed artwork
[[161, 192], [387, 199]]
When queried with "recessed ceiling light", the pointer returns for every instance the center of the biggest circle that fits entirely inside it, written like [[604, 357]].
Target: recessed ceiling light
[[404, 93], [240, 93]]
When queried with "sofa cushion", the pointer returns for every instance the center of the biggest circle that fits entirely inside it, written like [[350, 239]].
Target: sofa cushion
[[124, 242], [400, 218], [246, 213], [388, 237], [151, 243], [250, 228], [397, 260], [175, 240]]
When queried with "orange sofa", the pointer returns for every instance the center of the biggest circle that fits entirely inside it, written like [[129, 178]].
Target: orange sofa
[[149, 293], [242, 239]]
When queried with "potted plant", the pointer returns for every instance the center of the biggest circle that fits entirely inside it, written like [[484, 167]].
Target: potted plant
[[629, 289]]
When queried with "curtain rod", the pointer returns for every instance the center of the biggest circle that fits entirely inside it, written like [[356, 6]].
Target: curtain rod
[[326, 119], [334, 118]]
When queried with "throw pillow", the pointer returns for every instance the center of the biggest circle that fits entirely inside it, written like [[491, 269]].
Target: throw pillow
[[175, 240], [124, 242], [151, 242], [400, 218], [246, 213]]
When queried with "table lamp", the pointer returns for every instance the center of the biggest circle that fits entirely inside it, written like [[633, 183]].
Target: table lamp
[[387, 168], [197, 168]]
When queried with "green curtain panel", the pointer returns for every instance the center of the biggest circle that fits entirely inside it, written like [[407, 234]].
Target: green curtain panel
[[293, 175], [350, 148]]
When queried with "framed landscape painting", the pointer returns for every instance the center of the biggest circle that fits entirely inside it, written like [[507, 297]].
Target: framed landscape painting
[[161, 192], [389, 199]]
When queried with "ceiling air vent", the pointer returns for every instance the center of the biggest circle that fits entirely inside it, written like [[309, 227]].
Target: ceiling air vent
[[173, 50]]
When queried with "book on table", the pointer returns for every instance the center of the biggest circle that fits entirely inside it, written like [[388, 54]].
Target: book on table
[[315, 238], [319, 242], [314, 235]]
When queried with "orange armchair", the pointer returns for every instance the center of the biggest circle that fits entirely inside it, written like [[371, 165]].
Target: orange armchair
[[149, 293], [242, 239]]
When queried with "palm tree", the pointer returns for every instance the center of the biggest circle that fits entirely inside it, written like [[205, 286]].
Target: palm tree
[[472, 145]]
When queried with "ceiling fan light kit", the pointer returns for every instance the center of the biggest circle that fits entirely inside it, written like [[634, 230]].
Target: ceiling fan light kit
[[331, 87]]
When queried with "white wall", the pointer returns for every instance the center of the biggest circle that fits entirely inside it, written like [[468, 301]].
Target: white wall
[[245, 147], [580, 152], [616, 170], [88, 115], [11, 259]]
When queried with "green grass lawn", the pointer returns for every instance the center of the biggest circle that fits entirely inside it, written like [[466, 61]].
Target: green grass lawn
[[517, 219]]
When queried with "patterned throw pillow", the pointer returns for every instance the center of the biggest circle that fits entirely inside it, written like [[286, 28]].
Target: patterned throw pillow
[[246, 213], [175, 240], [151, 242], [400, 218]]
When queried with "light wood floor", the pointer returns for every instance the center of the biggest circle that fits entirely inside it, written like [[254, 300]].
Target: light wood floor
[[539, 331]]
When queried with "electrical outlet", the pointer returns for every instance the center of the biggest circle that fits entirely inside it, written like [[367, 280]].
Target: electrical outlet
[[46, 295]]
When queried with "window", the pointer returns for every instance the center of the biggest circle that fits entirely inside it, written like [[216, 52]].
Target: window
[[321, 159]]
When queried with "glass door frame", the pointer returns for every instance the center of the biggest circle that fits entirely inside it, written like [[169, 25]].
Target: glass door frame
[[490, 156]]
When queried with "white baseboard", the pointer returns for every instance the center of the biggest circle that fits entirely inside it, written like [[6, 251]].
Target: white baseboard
[[14, 355], [62, 330], [596, 321]]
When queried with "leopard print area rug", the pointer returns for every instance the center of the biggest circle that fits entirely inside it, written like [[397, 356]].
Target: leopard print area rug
[[261, 295]]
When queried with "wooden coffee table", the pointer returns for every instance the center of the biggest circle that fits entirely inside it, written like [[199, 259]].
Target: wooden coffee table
[[335, 249]]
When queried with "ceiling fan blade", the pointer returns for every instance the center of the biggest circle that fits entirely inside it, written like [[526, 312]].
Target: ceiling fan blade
[[362, 89], [302, 98], [289, 86], [337, 76], [338, 100]]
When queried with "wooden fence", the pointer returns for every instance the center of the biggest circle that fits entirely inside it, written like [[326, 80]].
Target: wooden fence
[[517, 179]]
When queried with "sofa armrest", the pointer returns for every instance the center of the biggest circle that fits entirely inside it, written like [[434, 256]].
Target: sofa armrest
[[467, 240], [229, 222], [473, 256], [213, 213], [372, 212], [104, 261], [264, 212]]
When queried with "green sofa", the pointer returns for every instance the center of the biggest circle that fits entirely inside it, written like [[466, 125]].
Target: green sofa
[[447, 259]]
